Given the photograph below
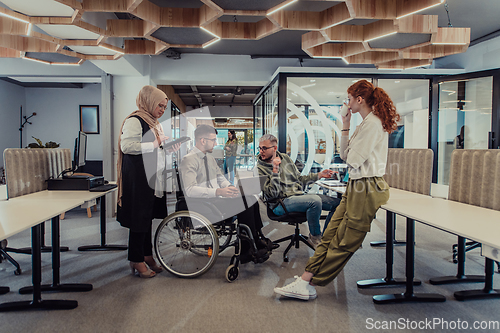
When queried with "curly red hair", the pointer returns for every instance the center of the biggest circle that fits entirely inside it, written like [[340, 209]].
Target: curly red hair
[[380, 102]]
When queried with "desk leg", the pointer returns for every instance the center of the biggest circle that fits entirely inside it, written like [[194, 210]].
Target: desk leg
[[389, 280], [408, 295], [487, 292], [56, 264], [49, 248], [393, 240], [102, 246], [460, 277], [27, 250], [37, 303]]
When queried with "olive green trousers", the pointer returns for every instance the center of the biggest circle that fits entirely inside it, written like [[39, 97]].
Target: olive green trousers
[[347, 228]]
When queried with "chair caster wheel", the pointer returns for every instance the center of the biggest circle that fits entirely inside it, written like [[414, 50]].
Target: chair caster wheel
[[17, 272], [232, 273], [285, 259]]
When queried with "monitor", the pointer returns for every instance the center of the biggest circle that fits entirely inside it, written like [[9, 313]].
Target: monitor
[[80, 152]]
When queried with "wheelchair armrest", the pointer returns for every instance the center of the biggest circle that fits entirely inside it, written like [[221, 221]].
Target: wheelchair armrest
[[207, 203]]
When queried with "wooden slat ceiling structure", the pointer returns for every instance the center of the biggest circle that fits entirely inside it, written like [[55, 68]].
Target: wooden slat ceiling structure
[[356, 31]]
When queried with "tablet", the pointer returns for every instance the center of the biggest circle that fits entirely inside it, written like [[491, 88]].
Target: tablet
[[168, 145]]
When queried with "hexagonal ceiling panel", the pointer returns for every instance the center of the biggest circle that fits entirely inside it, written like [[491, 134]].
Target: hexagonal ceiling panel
[[52, 57], [304, 28], [399, 41], [183, 36], [247, 4]]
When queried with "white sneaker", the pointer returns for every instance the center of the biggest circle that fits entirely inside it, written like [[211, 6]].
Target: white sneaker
[[298, 289], [314, 240]]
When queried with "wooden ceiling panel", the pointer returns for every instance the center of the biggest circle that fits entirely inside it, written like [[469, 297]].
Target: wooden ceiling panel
[[328, 32]]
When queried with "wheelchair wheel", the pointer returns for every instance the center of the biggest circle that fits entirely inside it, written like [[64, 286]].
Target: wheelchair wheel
[[186, 244], [232, 273]]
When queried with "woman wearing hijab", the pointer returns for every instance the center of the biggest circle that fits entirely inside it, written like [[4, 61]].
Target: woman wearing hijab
[[141, 179]]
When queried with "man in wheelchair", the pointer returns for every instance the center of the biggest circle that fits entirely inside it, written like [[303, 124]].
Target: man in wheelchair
[[204, 186]]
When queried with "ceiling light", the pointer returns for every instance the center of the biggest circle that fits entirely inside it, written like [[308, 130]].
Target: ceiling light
[[344, 60], [397, 81], [389, 69], [110, 49], [449, 43], [419, 66], [281, 7], [312, 80], [65, 63], [210, 32], [213, 41], [13, 17], [337, 23], [37, 60], [390, 33], [419, 10], [308, 85], [29, 29]]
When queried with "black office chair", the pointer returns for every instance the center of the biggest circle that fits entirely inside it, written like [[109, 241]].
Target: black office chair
[[5, 255], [293, 218]]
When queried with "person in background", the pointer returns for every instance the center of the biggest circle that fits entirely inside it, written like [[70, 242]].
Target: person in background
[[365, 153], [286, 182], [230, 150], [141, 179]]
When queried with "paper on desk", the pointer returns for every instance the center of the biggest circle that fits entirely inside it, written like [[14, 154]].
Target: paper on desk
[[330, 182]]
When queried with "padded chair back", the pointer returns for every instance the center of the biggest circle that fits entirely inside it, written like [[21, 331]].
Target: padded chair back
[[27, 170], [475, 177], [410, 169]]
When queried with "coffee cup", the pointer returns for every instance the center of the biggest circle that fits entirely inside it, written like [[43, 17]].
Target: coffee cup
[[344, 110]]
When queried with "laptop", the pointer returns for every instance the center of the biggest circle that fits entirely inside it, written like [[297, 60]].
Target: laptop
[[251, 185]]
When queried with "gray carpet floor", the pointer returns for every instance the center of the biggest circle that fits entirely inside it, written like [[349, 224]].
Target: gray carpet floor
[[121, 302]]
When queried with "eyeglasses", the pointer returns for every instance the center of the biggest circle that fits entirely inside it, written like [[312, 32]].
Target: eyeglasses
[[265, 148], [213, 140], [347, 101], [162, 107]]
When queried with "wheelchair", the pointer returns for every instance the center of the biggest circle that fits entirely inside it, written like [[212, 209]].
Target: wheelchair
[[187, 243]]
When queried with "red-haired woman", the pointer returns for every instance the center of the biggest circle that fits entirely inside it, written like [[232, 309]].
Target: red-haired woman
[[365, 153]]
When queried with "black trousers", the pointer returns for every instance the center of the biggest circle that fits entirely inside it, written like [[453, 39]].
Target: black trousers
[[139, 245]]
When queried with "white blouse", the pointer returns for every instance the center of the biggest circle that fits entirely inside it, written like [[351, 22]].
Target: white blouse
[[366, 151]]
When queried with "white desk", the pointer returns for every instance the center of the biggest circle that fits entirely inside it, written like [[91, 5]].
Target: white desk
[[31, 210], [17, 215], [84, 196], [467, 221]]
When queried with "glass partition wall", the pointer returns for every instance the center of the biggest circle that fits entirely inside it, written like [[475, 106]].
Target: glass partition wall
[[313, 124], [302, 111], [465, 115], [313, 121]]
